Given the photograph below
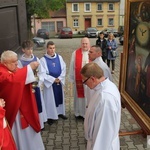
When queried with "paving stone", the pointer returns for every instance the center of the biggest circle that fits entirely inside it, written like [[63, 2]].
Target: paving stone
[[124, 148], [127, 138], [130, 145], [59, 132], [44, 133], [122, 141], [49, 147], [66, 135], [66, 141], [66, 147], [58, 145], [66, 129], [72, 148], [58, 138], [74, 131], [140, 147], [82, 140], [82, 147], [135, 126], [122, 127], [52, 136], [74, 144], [44, 139], [126, 124], [80, 134], [50, 142], [73, 137]]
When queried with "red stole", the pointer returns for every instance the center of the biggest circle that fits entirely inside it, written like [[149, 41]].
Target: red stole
[[18, 97], [6, 139], [78, 78]]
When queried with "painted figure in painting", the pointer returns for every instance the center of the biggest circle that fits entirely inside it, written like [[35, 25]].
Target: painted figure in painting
[[138, 68], [147, 70]]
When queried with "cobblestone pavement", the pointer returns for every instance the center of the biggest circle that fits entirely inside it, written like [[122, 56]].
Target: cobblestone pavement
[[69, 134]]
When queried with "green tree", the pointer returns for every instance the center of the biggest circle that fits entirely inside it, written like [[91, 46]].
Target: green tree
[[41, 8]]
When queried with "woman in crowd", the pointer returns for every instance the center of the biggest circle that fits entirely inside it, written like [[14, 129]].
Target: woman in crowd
[[111, 46]]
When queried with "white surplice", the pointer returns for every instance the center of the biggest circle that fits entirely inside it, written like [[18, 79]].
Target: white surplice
[[102, 119], [42, 115], [26, 139], [51, 109], [105, 68], [107, 74], [79, 103]]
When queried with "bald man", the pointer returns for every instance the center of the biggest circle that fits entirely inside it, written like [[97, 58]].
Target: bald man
[[78, 60]]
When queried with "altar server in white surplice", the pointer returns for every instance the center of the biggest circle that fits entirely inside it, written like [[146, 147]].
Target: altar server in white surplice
[[52, 73], [95, 54], [102, 119], [24, 60], [78, 60]]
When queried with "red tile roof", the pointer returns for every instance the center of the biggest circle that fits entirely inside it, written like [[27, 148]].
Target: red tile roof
[[58, 14]]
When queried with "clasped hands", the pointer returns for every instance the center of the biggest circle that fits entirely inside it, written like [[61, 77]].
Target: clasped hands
[[57, 81]]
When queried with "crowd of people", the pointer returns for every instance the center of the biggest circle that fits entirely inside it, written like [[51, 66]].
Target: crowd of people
[[37, 94]]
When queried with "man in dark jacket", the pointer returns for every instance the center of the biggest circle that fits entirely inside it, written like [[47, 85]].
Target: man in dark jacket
[[101, 41]]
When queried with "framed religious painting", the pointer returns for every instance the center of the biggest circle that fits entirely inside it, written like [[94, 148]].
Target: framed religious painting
[[135, 66]]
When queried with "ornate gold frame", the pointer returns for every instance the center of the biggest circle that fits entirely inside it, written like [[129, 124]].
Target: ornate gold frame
[[137, 112]]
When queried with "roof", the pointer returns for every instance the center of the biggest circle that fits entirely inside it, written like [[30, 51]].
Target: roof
[[58, 14], [81, 1]]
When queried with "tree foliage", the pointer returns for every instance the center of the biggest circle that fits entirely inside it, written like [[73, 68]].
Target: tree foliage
[[41, 8]]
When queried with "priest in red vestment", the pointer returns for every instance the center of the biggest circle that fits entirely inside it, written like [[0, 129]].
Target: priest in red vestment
[[78, 60], [6, 139], [21, 108]]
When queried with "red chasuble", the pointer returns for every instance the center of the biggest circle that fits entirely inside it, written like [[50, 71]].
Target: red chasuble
[[6, 139], [78, 78], [18, 97]]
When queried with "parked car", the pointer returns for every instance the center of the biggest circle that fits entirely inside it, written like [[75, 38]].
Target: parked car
[[91, 32], [43, 33], [106, 31], [121, 39], [38, 42], [65, 32]]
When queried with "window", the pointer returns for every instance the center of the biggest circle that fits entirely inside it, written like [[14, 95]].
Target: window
[[87, 7], [50, 26], [75, 23], [110, 21], [75, 7], [99, 22], [99, 7], [111, 7]]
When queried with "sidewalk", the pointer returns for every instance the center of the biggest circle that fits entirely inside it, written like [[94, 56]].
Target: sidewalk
[[69, 134]]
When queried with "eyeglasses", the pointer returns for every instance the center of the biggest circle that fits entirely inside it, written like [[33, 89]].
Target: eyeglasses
[[86, 80]]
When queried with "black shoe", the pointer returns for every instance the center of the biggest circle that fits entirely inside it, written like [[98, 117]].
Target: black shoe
[[82, 118], [50, 121], [42, 129], [79, 118], [63, 117]]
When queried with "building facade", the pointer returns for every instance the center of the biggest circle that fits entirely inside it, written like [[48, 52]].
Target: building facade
[[122, 9], [92, 13], [80, 14], [53, 24]]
